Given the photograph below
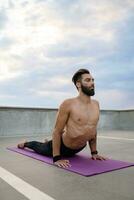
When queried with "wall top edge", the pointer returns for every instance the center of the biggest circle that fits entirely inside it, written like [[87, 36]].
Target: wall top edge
[[55, 109], [26, 108]]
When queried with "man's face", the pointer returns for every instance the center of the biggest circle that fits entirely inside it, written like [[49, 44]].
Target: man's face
[[87, 85]]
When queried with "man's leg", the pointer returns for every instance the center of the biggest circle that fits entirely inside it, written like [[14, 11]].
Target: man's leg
[[39, 147]]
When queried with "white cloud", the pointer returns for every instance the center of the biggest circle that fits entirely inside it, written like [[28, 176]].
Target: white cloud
[[4, 96], [50, 85], [50, 40], [30, 27], [114, 99], [9, 68], [56, 96]]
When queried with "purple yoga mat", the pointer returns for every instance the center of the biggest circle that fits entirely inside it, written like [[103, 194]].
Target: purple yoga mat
[[80, 163]]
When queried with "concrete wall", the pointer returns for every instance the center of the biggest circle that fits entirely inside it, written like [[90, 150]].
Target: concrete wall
[[35, 121], [116, 120], [26, 121]]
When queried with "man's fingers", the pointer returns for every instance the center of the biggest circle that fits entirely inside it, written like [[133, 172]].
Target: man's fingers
[[93, 158], [101, 158], [105, 158], [67, 164], [97, 157], [67, 161], [63, 163]]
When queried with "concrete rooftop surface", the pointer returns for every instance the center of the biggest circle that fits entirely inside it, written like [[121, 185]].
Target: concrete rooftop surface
[[60, 184], [25, 178]]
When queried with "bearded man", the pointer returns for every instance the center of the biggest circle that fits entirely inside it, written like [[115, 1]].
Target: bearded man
[[76, 124]]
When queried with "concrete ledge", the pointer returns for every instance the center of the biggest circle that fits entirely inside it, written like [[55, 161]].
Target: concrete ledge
[[116, 120], [18, 121]]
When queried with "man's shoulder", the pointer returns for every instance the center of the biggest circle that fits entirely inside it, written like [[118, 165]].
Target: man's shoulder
[[68, 101], [66, 104], [95, 101]]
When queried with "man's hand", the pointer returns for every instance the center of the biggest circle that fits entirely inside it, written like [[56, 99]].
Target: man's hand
[[63, 163], [97, 157]]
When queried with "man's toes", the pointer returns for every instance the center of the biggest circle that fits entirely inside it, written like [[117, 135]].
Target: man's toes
[[20, 146]]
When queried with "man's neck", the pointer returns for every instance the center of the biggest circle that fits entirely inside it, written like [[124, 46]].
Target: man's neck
[[84, 98]]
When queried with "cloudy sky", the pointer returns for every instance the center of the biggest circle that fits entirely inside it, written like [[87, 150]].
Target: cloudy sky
[[43, 42]]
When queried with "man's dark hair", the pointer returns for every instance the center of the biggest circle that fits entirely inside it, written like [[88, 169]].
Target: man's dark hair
[[78, 74]]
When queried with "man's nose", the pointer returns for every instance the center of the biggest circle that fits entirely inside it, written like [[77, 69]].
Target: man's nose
[[92, 84]]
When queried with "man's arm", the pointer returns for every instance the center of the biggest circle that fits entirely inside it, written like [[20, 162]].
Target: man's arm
[[93, 147], [61, 120], [93, 144]]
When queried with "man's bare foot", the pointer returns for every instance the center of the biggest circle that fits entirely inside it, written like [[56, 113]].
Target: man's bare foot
[[21, 145]]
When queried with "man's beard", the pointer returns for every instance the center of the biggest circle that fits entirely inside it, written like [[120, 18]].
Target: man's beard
[[87, 91]]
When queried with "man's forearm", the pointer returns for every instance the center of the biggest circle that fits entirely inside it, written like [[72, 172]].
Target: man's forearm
[[56, 142], [93, 144]]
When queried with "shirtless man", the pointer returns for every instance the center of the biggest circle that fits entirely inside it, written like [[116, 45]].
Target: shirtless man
[[76, 124]]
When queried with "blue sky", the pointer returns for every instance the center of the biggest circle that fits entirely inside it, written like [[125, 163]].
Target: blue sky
[[43, 42]]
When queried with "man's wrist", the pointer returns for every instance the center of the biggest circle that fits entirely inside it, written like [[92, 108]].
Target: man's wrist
[[94, 152], [56, 158]]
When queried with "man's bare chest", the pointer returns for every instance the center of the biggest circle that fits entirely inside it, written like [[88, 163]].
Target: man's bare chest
[[83, 116]]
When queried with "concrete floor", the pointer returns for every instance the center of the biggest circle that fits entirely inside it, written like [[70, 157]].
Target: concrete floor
[[64, 185]]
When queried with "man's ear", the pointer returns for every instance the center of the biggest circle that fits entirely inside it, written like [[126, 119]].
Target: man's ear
[[78, 84]]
